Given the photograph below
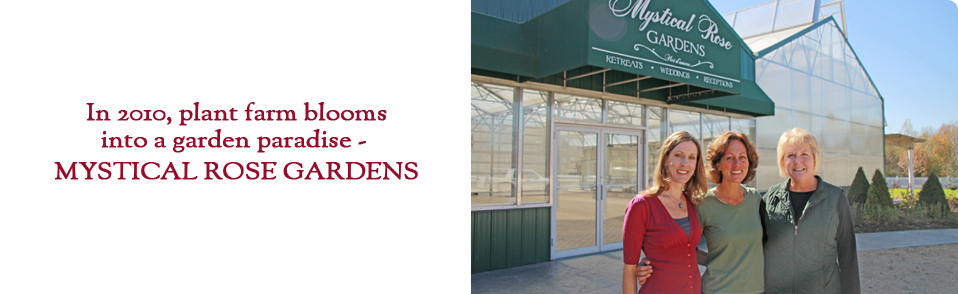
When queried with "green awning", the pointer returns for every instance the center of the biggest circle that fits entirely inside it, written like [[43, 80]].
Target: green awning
[[753, 101], [676, 51]]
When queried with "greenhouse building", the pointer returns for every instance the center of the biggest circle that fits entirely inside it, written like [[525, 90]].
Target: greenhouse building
[[571, 100]]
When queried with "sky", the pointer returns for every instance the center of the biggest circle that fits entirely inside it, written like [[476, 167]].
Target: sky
[[910, 50]]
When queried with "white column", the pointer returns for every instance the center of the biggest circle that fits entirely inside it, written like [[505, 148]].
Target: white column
[[911, 171]]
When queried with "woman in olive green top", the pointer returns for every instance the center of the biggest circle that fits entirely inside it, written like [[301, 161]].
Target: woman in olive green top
[[729, 216], [730, 219]]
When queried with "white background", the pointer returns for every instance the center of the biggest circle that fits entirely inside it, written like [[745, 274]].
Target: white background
[[280, 236]]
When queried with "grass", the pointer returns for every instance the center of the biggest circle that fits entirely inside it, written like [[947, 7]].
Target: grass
[[896, 193]]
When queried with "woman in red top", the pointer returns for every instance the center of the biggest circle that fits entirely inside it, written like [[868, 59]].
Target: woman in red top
[[658, 221]]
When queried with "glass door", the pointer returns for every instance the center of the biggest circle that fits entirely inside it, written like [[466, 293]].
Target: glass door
[[620, 182], [597, 174], [576, 191]]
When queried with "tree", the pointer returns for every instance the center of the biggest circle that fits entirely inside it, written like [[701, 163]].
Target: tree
[[907, 129], [858, 192], [891, 165], [919, 158], [932, 193], [878, 195], [943, 149]]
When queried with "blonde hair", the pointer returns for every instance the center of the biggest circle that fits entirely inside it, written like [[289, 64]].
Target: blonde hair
[[798, 137], [696, 186], [717, 149]]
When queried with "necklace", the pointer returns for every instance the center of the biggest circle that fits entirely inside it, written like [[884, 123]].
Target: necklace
[[673, 199]]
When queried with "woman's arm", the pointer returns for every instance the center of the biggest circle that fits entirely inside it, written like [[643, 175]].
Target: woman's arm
[[643, 272], [633, 235], [847, 249], [628, 279], [701, 256]]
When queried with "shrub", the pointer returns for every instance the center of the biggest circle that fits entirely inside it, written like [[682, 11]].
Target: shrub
[[858, 213], [907, 200], [878, 195], [858, 192], [876, 214], [932, 195]]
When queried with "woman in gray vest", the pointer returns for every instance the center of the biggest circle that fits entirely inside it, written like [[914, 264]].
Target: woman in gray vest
[[808, 223]]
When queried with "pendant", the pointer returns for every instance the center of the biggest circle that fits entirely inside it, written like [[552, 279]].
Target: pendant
[[680, 205]]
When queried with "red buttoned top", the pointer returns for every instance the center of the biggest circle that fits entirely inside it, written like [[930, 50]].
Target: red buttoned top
[[649, 227]]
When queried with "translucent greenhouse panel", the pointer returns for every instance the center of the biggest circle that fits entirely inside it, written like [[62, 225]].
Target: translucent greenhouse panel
[[834, 101], [815, 95], [857, 78], [770, 128], [834, 168], [656, 123], [818, 127], [492, 144], [712, 126], [857, 138], [767, 169], [656, 133], [854, 161], [817, 56], [836, 136], [760, 42], [799, 57], [827, 41], [869, 87], [754, 21], [802, 120], [745, 126], [827, 67], [730, 18], [875, 162], [578, 108], [801, 92], [876, 139], [840, 71], [874, 115], [794, 13], [839, 21], [811, 52], [625, 113], [535, 144], [858, 108], [680, 120], [782, 54], [776, 81], [829, 9]]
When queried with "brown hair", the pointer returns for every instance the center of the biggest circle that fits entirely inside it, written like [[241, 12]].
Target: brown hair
[[717, 150], [696, 186]]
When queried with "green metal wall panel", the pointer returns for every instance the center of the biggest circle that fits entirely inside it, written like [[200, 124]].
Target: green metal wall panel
[[497, 239], [481, 259], [475, 249], [528, 236], [509, 238], [542, 234], [514, 239]]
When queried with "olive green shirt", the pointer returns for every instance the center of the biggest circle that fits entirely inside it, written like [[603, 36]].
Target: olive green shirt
[[734, 237]]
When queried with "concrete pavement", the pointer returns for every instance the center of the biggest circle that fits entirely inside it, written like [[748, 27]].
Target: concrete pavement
[[602, 272]]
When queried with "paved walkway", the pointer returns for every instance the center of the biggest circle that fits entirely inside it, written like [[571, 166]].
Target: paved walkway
[[602, 272]]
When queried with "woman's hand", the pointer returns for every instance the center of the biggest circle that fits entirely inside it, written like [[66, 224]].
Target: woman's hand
[[643, 270]]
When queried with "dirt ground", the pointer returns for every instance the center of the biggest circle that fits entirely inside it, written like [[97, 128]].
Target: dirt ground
[[925, 269]]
